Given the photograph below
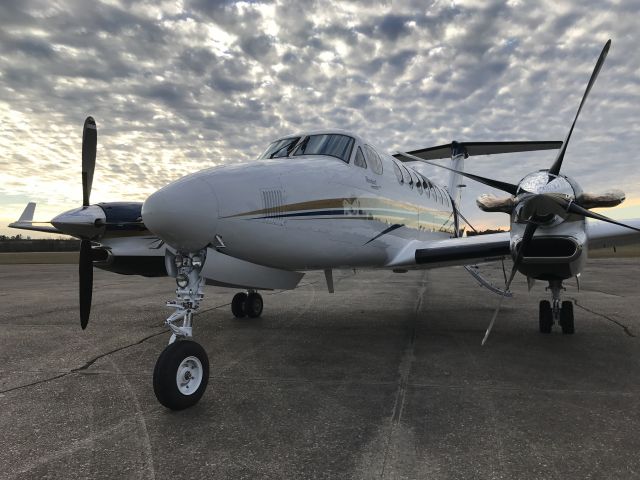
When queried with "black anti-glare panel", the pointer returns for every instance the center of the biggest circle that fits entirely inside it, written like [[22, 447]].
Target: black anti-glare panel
[[480, 148]]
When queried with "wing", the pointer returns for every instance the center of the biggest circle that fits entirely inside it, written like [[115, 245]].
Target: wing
[[606, 235], [453, 251], [25, 222]]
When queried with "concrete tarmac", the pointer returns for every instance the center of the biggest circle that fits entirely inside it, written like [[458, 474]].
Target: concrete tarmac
[[385, 379]]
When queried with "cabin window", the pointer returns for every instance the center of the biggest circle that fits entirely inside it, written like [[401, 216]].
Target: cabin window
[[425, 184], [438, 194], [398, 172], [419, 185], [414, 178], [333, 145], [280, 148], [373, 159], [359, 161], [407, 176]]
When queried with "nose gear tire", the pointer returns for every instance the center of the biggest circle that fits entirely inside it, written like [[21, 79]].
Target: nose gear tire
[[566, 318], [546, 316], [182, 365]]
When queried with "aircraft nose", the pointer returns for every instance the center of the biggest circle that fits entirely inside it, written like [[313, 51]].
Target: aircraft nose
[[183, 214]]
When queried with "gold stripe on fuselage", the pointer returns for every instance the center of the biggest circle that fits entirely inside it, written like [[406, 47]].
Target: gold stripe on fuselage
[[384, 210]]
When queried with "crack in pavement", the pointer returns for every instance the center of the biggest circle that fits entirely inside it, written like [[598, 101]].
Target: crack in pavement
[[85, 366], [624, 327], [404, 370], [90, 362]]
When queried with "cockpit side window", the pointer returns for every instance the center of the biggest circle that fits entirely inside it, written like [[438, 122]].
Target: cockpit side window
[[334, 145], [373, 159], [280, 148], [359, 160]]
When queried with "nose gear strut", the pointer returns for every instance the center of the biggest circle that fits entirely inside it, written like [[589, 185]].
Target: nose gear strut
[[188, 297]]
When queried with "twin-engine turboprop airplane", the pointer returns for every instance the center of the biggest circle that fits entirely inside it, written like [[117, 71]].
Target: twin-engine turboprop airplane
[[323, 200]]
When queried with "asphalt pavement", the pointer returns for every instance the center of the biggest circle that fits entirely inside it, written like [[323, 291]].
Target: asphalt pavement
[[385, 378]]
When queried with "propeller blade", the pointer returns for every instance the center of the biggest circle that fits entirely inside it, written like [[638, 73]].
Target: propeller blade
[[555, 168], [85, 271], [526, 239], [504, 186], [89, 141], [578, 210]]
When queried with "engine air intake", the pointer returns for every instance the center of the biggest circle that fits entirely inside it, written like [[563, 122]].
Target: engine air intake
[[557, 248]]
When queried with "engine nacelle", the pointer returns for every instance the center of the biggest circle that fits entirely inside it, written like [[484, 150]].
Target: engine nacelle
[[140, 254], [555, 253]]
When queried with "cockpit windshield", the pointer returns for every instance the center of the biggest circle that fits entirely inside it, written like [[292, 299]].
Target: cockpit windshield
[[334, 145], [280, 148]]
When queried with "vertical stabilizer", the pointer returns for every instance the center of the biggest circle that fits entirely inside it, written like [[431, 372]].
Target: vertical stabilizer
[[456, 184]]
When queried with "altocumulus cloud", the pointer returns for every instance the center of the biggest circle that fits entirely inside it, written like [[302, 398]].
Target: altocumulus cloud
[[177, 86]]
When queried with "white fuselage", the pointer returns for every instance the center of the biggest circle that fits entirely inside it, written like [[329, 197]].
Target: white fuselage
[[300, 212]]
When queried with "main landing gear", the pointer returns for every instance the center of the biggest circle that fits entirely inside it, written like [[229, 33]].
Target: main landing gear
[[247, 304], [556, 311], [181, 373]]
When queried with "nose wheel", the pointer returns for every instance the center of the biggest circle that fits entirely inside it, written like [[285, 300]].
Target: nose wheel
[[181, 375], [566, 318], [556, 312], [247, 305], [546, 316]]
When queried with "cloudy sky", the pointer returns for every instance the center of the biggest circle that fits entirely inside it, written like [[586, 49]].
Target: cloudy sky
[[176, 86]]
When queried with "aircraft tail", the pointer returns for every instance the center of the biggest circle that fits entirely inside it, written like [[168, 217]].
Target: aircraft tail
[[456, 181]]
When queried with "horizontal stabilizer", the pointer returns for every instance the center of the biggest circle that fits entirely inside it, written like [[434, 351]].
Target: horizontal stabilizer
[[478, 148]]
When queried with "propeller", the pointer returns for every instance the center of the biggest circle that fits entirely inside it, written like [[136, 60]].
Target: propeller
[[534, 203], [85, 264], [529, 230], [555, 168], [85, 271], [536, 208], [89, 142]]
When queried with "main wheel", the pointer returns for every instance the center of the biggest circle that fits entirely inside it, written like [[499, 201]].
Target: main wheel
[[566, 318], [253, 305], [546, 316], [237, 304], [181, 375]]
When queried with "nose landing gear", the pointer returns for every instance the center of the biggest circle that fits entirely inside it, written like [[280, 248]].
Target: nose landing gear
[[247, 304], [556, 311], [181, 373]]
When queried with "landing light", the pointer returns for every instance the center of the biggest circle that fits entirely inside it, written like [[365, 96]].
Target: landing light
[[196, 261], [178, 260], [182, 280]]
